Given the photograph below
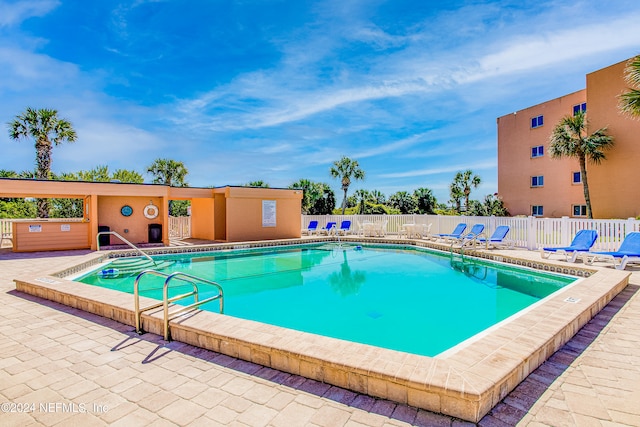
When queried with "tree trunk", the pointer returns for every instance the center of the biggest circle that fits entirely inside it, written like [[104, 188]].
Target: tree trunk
[[585, 186], [344, 200], [43, 158], [43, 208], [43, 168]]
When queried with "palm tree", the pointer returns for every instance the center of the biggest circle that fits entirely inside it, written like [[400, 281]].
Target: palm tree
[[168, 172], [46, 128], [402, 201], [461, 187], [172, 173], [363, 197], [570, 139], [259, 183], [425, 200], [630, 101], [326, 201], [456, 195], [126, 175], [378, 197], [97, 174], [345, 169], [492, 206]]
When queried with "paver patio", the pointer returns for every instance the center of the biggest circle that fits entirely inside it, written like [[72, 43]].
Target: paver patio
[[64, 366]]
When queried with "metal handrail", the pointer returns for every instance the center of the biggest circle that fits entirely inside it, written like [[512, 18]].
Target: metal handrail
[[190, 279], [136, 298], [166, 300], [127, 242]]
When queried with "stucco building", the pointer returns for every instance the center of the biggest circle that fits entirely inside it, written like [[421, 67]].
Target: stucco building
[[139, 213], [530, 182]]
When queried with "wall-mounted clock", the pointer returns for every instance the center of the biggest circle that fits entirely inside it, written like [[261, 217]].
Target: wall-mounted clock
[[126, 210]]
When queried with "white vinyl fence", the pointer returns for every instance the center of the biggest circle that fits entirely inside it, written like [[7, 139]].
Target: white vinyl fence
[[179, 227], [6, 232], [526, 232]]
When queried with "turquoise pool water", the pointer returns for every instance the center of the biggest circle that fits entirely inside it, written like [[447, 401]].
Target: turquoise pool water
[[417, 301]]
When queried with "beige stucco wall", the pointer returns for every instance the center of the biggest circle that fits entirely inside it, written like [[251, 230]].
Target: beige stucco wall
[[203, 219], [220, 212], [516, 138], [244, 214], [614, 183], [134, 228]]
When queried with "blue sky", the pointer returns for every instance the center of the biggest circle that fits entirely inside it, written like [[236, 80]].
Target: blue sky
[[276, 90]]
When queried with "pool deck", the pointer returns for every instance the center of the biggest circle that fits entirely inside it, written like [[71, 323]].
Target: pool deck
[[78, 367]]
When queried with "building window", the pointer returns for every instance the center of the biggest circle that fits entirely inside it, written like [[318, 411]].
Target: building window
[[537, 151], [536, 210], [576, 178], [536, 122], [579, 210], [580, 108], [537, 181]]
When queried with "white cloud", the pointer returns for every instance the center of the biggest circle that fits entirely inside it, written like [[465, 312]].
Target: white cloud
[[556, 47], [23, 70], [275, 97], [393, 147], [14, 13], [105, 142], [438, 170]]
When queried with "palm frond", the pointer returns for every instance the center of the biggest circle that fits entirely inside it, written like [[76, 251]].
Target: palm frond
[[632, 71], [630, 102]]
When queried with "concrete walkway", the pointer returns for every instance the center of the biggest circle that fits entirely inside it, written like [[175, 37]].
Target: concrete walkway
[[61, 366]]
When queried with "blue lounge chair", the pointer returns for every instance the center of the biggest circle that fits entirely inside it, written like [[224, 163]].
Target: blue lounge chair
[[471, 236], [455, 234], [497, 238], [582, 242], [311, 228], [629, 252], [345, 227], [328, 229]]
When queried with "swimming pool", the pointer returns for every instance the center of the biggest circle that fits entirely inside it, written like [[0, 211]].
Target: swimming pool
[[465, 381], [400, 298]]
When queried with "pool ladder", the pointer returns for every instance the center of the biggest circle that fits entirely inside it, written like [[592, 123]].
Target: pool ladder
[[134, 247], [461, 241], [166, 300]]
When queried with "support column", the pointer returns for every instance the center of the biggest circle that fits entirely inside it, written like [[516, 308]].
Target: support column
[[91, 215]]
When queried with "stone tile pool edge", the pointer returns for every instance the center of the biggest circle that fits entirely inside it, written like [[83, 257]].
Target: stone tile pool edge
[[465, 382]]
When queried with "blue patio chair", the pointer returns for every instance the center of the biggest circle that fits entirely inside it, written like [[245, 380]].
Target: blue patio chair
[[496, 240], [311, 228], [345, 227], [582, 242], [470, 237], [455, 234], [328, 229], [629, 252]]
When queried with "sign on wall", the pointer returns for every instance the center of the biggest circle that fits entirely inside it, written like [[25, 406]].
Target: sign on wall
[[35, 228], [268, 213]]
